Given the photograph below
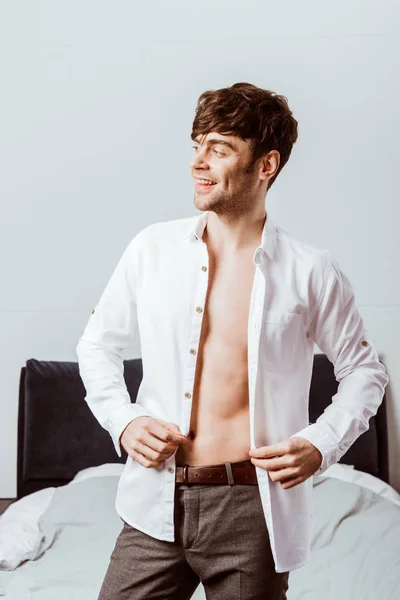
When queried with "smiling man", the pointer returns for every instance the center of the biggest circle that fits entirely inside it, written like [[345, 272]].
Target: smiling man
[[217, 486]]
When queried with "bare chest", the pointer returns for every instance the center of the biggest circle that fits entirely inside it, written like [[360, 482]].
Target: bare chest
[[219, 422], [227, 304]]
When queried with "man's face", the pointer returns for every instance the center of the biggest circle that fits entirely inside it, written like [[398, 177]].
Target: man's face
[[225, 160]]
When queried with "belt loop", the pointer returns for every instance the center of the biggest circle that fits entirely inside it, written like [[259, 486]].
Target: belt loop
[[231, 479]]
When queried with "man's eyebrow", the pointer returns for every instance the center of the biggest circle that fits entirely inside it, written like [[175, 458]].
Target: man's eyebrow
[[213, 141]]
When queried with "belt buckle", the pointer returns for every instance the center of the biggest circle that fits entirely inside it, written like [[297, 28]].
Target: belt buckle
[[185, 477]]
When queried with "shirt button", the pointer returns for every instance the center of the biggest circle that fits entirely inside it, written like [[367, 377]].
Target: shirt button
[[192, 351], [187, 395], [203, 268], [170, 470], [364, 343], [199, 309]]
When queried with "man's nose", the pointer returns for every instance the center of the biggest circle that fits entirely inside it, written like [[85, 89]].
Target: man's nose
[[198, 160]]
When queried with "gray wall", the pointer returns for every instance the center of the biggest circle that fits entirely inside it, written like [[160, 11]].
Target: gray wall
[[96, 105]]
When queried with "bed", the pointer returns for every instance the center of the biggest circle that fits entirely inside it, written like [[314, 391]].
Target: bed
[[56, 538]]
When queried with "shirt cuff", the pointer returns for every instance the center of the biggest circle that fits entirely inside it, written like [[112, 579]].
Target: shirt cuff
[[121, 417], [319, 435]]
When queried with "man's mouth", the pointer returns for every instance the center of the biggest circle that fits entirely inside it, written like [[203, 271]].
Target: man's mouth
[[205, 183]]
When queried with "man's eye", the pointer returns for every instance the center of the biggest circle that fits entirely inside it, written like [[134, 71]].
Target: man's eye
[[214, 150]]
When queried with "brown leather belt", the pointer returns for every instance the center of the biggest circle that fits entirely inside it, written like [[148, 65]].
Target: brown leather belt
[[243, 472]]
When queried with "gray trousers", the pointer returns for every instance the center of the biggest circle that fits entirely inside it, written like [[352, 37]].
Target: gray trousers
[[221, 540]]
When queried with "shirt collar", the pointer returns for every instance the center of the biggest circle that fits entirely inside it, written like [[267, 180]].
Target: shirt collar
[[268, 235]]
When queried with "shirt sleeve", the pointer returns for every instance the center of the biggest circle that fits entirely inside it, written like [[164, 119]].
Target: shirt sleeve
[[111, 328], [338, 329]]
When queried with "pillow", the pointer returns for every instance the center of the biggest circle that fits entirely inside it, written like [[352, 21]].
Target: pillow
[[365, 480], [20, 536], [105, 469]]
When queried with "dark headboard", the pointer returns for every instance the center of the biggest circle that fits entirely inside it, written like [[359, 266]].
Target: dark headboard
[[58, 435]]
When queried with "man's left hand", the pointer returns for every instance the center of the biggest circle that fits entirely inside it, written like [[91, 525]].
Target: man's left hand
[[290, 462]]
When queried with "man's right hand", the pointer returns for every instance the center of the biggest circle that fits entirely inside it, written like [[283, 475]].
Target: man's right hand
[[150, 441]]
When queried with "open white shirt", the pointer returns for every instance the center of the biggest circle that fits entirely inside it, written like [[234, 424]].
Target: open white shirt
[[299, 296]]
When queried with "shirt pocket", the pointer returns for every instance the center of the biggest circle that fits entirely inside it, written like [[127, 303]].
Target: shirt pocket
[[280, 339]]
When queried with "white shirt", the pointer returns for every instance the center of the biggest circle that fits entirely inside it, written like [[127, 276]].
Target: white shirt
[[299, 296]]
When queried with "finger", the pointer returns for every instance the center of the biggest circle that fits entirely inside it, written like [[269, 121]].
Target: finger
[[273, 450], [292, 482], [282, 475], [164, 433], [148, 453], [178, 435], [156, 444], [142, 460], [271, 464]]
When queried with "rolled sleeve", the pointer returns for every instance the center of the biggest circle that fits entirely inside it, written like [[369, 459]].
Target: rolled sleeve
[[338, 329]]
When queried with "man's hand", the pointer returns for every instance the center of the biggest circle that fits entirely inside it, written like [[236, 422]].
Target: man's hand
[[151, 441], [290, 462]]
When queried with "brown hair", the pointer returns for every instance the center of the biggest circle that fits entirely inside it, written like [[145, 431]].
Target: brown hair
[[248, 112]]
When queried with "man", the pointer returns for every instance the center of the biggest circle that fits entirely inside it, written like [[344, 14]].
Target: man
[[218, 481]]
